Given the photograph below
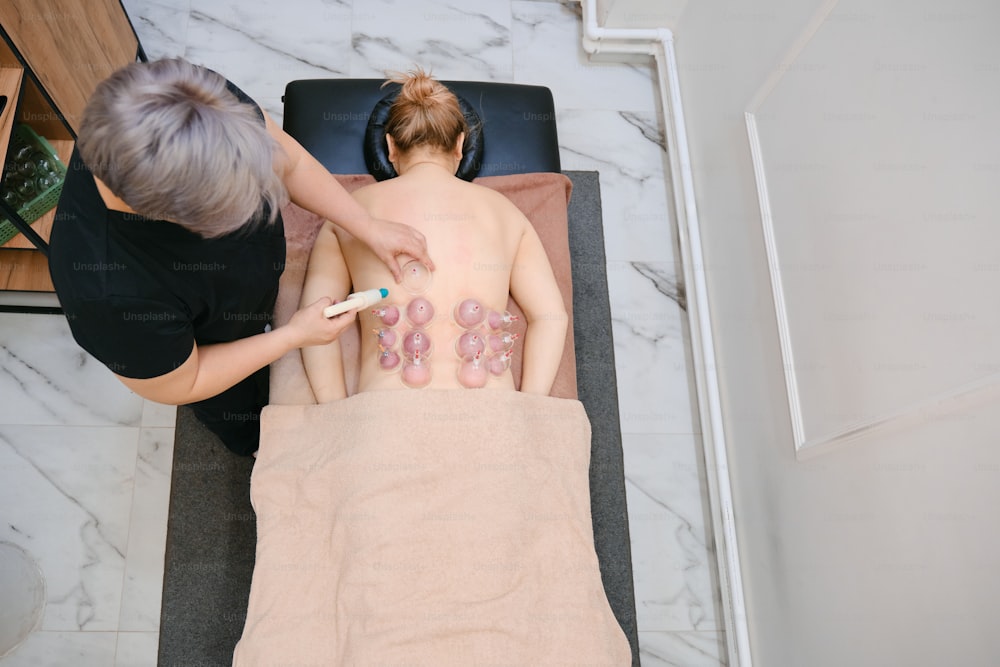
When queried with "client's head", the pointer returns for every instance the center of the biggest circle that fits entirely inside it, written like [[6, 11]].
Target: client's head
[[424, 119], [169, 139]]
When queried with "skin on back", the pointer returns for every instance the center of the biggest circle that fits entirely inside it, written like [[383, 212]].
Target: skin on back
[[474, 233], [483, 247]]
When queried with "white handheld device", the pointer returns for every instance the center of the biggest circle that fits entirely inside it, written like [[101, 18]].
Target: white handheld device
[[356, 300]]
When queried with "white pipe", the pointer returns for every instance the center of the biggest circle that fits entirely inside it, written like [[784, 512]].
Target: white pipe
[[595, 32], [659, 43], [594, 47]]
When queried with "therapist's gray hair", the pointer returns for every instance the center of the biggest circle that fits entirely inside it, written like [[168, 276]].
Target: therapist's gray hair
[[170, 140]]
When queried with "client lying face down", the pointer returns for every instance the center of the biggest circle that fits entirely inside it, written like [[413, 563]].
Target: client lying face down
[[448, 329]]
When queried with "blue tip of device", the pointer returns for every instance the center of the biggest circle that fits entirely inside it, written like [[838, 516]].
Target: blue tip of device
[[384, 292]]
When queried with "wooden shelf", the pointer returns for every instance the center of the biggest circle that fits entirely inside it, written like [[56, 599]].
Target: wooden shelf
[[71, 46], [10, 85], [24, 271], [53, 53]]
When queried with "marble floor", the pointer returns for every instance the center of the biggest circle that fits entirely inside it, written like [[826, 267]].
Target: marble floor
[[85, 464]]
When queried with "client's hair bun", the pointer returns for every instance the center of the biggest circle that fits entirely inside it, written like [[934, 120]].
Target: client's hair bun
[[422, 111], [425, 113], [419, 88]]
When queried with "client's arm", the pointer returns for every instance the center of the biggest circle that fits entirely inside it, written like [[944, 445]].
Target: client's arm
[[326, 275], [533, 285]]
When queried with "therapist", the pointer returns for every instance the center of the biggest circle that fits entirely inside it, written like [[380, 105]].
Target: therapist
[[168, 241]]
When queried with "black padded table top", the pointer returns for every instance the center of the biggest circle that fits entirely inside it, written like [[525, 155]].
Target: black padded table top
[[329, 117]]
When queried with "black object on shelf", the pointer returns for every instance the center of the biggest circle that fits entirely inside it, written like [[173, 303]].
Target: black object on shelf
[[23, 227], [26, 229]]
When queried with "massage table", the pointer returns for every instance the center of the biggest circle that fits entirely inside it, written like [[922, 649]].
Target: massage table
[[514, 149]]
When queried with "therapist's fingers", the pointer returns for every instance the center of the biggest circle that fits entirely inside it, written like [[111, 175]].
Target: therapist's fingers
[[391, 239], [419, 252], [311, 327], [393, 264]]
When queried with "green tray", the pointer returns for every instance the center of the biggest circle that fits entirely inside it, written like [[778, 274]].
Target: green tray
[[45, 201]]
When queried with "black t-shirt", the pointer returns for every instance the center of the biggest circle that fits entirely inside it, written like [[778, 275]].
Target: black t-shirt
[[139, 293]]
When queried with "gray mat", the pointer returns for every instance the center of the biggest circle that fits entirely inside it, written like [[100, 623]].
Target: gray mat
[[211, 531]]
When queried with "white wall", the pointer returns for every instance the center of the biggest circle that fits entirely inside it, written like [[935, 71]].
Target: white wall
[[877, 160]]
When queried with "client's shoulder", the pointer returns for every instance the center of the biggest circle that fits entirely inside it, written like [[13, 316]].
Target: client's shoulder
[[370, 190], [495, 198]]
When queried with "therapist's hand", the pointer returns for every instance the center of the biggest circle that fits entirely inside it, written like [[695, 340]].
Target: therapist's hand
[[389, 239], [309, 326]]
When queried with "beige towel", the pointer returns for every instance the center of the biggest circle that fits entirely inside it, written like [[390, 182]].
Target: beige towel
[[542, 197], [433, 527]]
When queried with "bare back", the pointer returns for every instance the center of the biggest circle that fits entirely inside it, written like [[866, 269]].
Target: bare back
[[448, 331], [474, 235]]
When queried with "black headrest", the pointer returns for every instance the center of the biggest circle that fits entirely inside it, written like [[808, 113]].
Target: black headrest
[[329, 118], [377, 151]]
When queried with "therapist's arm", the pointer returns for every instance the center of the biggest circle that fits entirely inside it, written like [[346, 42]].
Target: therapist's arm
[[211, 369], [313, 188]]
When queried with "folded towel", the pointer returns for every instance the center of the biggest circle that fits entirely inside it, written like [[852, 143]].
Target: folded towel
[[432, 527]]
